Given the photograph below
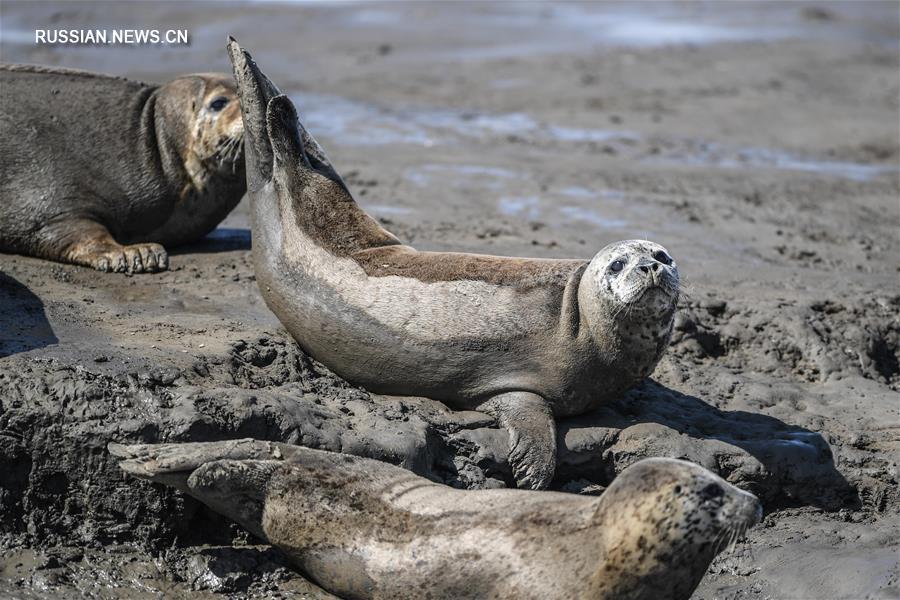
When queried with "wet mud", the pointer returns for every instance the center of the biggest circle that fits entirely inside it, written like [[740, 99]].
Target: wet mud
[[758, 144]]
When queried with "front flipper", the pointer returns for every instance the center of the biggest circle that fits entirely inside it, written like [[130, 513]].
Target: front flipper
[[532, 436], [88, 243]]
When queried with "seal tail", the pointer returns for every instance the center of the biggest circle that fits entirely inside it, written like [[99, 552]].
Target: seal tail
[[230, 476]]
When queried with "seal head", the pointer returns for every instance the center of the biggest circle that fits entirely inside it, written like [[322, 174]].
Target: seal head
[[635, 275], [663, 521]]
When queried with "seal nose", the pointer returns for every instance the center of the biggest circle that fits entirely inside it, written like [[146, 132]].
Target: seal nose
[[646, 268]]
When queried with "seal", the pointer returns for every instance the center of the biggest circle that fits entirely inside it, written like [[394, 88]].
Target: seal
[[525, 340], [361, 528], [104, 172]]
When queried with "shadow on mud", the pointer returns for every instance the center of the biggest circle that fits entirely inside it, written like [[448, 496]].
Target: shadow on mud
[[222, 239], [23, 323], [782, 464]]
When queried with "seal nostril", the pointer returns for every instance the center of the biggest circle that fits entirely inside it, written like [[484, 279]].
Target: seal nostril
[[644, 268], [655, 266]]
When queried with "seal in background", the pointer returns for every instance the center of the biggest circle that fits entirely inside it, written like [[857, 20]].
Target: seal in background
[[104, 172]]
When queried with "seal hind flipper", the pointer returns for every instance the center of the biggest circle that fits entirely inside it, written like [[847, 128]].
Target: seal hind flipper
[[255, 91], [149, 461], [283, 128], [229, 476], [236, 489]]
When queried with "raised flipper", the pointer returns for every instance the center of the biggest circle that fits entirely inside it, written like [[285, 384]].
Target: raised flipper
[[532, 436], [256, 92], [89, 243]]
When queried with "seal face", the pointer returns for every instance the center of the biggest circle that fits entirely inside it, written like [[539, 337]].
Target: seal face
[[522, 339], [102, 171], [366, 529]]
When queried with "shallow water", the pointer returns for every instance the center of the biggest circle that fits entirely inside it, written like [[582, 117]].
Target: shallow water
[[351, 122]]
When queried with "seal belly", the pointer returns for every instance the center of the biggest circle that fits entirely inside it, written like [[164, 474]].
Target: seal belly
[[349, 327]]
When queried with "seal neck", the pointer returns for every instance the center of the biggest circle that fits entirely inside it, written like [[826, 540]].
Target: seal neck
[[166, 138]]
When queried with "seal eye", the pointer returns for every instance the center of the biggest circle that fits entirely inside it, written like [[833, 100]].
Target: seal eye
[[662, 257], [218, 104], [711, 491], [616, 266]]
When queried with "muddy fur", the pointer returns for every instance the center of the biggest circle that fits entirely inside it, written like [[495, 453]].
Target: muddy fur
[[369, 530]]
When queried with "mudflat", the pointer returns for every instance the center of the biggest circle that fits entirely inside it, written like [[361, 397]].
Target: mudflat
[[759, 143]]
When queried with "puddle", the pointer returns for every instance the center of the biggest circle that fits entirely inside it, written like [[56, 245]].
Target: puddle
[[529, 207], [520, 206], [781, 160], [386, 209], [587, 215], [577, 191], [497, 32], [718, 155], [16, 36], [485, 177], [572, 134], [358, 123]]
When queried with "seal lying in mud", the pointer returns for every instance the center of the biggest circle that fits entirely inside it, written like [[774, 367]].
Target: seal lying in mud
[[521, 339], [102, 171], [361, 528]]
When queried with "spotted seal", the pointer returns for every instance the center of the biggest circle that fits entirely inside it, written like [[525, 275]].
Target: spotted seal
[[104, 172], [522, 339], [361, 528]]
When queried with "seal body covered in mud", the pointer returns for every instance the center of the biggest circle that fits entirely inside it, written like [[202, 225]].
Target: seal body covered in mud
[[521, 339], [104, 172], [361, 528]]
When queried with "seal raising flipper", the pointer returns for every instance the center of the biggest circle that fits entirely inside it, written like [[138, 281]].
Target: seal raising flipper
[[523, 339], [361, 528], [103, 172]]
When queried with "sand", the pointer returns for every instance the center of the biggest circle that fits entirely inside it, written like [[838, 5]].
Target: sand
[[758, 142]]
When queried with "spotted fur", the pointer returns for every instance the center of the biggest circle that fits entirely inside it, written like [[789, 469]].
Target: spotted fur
[[365, 529]]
